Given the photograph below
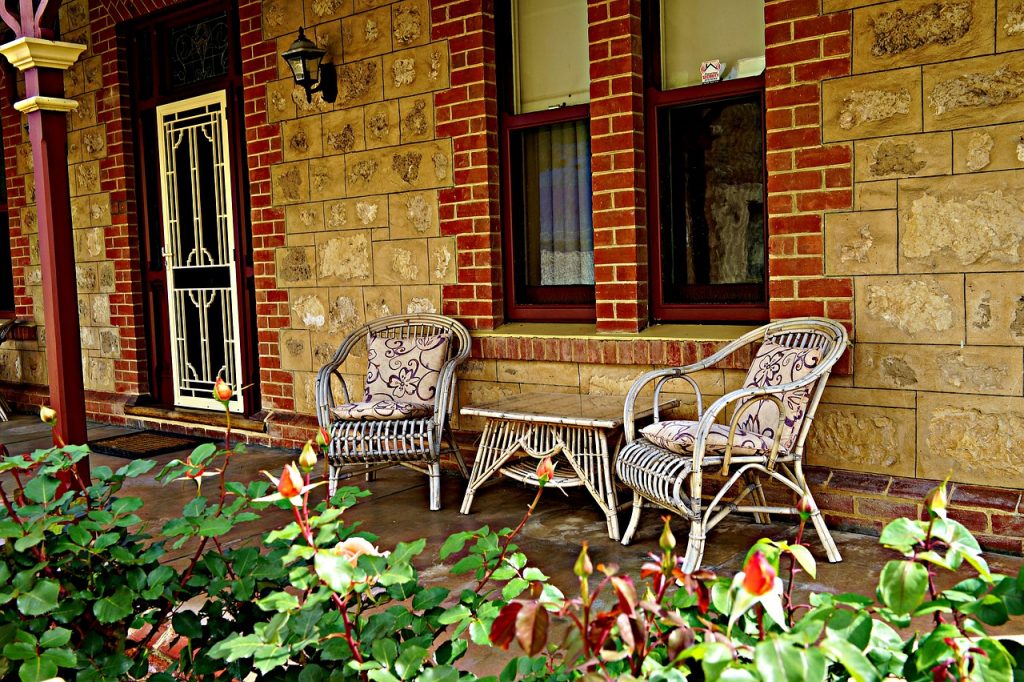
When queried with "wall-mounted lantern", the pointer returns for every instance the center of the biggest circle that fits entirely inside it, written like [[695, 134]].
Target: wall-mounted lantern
[[303, 57]]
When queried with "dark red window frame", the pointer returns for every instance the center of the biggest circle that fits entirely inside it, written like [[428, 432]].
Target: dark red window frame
[[6, 261], [533, 303], [694, 312]]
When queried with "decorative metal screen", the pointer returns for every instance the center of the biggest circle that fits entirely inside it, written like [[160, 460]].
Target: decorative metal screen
[[199, 51], [199, 248]]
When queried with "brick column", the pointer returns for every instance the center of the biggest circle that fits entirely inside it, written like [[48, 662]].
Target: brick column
[[468, 113], [263, 148], [805, 178], [617, 164]]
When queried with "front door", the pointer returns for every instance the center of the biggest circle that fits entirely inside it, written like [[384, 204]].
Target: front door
[[199, 248]]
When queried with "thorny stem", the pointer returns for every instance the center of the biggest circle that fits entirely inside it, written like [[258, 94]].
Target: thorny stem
[[793, 570], [932, 590], [508, 540], [8, 505]]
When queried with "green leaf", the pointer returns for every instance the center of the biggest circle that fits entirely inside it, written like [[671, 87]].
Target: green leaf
[[40, 599], [279, 601], [136, 468], [55, 638], [405, 551], [214, 526], [990, 610], [37, 669], [333, 570], [454, 543], [514, 588], [62, 658], [902, 586], [454, 614], [410, 660], [187, 624], [467, 563], [113, 607], [779, 660], [804, 558], [42, 489], [902, 534], [429, 598], [202, 454], [851, 658], [385, 650]]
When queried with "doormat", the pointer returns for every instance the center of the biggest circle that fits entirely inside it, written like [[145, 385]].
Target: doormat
[[145, 444]]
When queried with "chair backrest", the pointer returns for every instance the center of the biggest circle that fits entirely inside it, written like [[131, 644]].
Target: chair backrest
[[830, 340], [407, 356]]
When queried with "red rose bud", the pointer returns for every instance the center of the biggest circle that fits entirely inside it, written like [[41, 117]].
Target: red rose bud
[[667, 541], [307, 459], [805, 507], [323, 439], [222, 391], [583, 566], [545, 470], [290, 484], [48, 415], [758, 575]]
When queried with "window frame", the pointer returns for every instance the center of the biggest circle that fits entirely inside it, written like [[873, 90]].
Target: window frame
[[6, 314], [657, 99], [522, 303]]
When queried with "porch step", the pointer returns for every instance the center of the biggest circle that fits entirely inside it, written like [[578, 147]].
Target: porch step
[[204, 417]]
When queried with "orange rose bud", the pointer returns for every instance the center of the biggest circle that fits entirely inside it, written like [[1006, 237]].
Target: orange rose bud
[[323, 439], [545, 470], [758, 575], [307, 459], [48, 415], [805, 507], [290, 484], [935, 502], [222, 391]]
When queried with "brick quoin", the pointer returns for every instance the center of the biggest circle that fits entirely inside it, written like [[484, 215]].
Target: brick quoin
[[805, 177], [468, 114], [617, 161]]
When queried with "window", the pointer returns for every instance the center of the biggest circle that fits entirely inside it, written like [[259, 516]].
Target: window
[[545, 150], [6, 264], [706, 164]]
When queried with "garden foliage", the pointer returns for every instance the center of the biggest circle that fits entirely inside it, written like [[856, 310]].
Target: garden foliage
[[87, 593]]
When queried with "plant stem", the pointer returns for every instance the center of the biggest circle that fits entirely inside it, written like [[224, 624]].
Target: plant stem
[[508, 540]]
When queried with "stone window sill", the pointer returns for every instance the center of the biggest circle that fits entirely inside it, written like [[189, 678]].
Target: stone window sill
[[582, 331]]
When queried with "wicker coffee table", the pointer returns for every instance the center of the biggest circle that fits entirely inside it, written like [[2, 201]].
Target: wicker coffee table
[[575, 429]]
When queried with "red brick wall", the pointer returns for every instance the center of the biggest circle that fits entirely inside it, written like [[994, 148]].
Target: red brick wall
[[805, 177], [10, 124], [468, 113], [617, 164]]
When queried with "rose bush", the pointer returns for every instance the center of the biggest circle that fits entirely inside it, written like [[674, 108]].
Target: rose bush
[[85, 593]]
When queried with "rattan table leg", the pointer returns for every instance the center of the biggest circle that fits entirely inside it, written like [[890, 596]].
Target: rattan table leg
[[587, 452], [500, 440]]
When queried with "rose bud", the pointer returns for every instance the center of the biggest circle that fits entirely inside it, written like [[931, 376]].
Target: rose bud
[[758, 575], [290, 484], [323, 439], [48, 415], [545, 470], [222, 391], [307, 459]]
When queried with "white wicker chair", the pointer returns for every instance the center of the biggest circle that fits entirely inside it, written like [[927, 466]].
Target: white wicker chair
[[657, 472], [374, 441]]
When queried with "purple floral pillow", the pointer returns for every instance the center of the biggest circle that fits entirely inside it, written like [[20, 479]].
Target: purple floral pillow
[[404, 370], [773, 365]]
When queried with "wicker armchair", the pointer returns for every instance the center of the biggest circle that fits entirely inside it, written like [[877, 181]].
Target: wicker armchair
[[765, 436], [403, 415]]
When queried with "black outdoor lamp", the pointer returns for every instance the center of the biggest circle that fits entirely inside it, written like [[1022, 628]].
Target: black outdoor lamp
[[303, 57]]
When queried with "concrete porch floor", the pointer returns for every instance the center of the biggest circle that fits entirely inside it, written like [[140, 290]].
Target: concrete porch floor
[[397, 511]]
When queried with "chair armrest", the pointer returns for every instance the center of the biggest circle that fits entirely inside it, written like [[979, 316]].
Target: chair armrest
[[324, 394], [661, 376]]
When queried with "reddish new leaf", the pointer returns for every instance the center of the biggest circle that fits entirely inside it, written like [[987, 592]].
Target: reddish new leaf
[[503, 629], [532, 628], [626, 593]]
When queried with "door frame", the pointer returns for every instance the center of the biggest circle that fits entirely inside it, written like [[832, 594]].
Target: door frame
[[143, 67]]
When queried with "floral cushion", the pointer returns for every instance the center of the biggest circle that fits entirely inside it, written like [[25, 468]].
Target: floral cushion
[[382, 410], [404, 370], [679, 436], [773, 365]]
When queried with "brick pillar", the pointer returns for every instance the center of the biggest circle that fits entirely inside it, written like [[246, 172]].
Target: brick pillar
[[263, 148], [805, 178], [468, 113], [617, 164]]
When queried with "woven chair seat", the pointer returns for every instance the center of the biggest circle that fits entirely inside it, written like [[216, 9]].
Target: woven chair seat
[[680, 435]]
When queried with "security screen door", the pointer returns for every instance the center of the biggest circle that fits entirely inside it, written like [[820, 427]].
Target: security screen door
[[199, 248]]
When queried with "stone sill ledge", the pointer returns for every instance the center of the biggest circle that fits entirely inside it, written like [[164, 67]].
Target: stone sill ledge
[[660, 345], [657, 332]]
